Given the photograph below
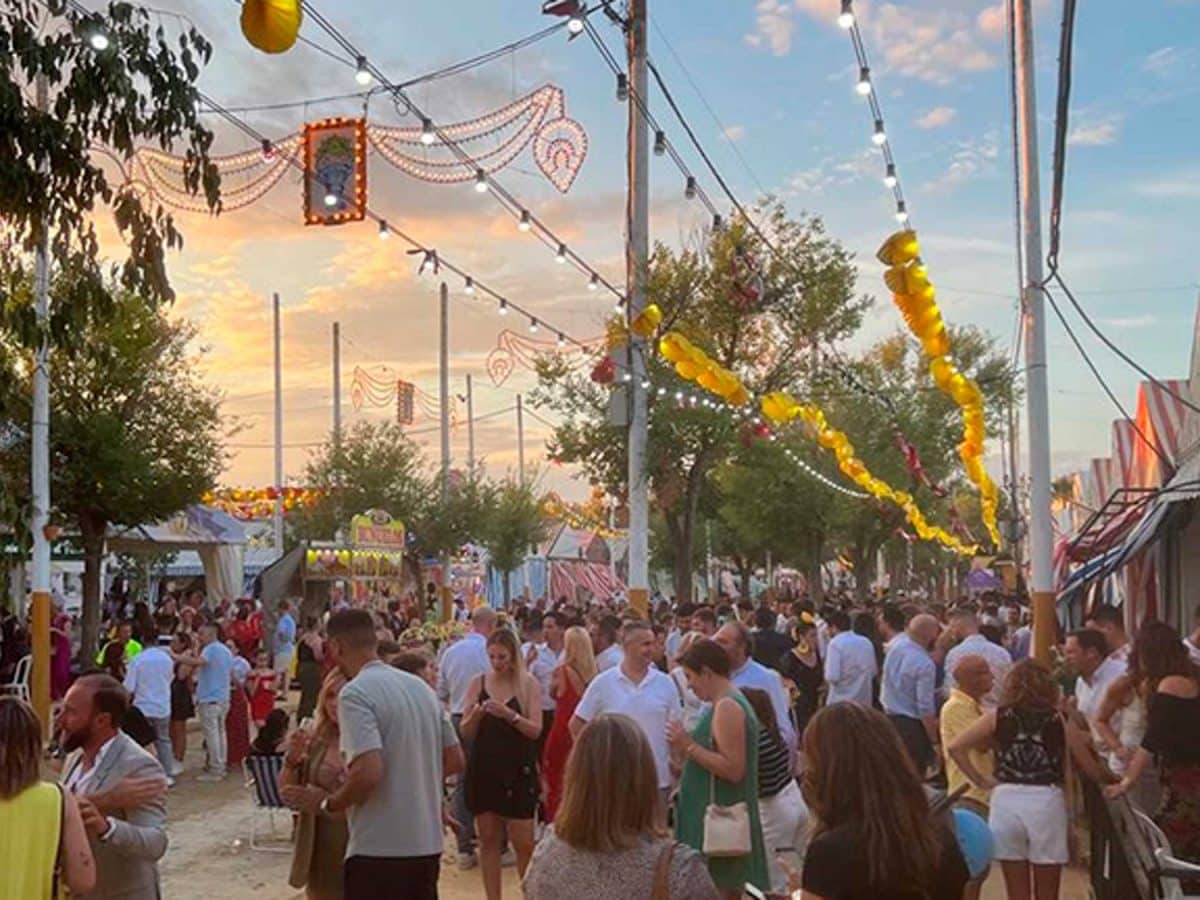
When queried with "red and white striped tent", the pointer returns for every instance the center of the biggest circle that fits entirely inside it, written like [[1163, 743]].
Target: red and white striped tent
[[581, 564]]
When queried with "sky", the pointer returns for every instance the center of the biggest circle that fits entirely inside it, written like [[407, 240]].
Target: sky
[[769, 88]]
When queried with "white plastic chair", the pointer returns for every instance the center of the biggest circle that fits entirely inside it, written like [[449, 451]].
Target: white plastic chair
[[1172, 889], [21, 676], [262, 778]]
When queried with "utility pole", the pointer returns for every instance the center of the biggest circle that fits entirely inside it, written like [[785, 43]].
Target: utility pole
[[39, 613], [337, 420], [520, 441], [444, 399], [278, 514], [1040, 528], [470, 425], [637, 244]]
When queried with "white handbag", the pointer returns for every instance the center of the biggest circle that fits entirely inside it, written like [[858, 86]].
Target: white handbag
[[726, 828]]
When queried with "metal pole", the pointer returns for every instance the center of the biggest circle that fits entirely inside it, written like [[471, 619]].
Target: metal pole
[[39, 614], [444, 399], [470, 425], [637, 240], [337, 419], [1040, 534], [278, 516], [520, 441]]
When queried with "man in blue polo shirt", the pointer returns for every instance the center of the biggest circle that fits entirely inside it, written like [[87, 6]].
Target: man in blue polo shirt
[[215, 664]]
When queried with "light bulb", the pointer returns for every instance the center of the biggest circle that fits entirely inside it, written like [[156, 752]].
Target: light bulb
[[562, 341], [561, 256], [504, 307], [890, 178], [481, 182], [361, 73], [679, 395], [524, 223], [880, 136], [427, 135], [594, 282], [864, 81], [846, 18], [268, 150], [622, 87], [469, 286], [627, 377], [575, 24], [689, 189], [99, 40], [645, 384], [533, 326], [717, 223], [660, 143], [384, 231], [901, 213], [331, 199], [619, 306]]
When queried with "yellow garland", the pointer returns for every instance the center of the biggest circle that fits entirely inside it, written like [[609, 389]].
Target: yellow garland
[[914, 296], [693, 364]]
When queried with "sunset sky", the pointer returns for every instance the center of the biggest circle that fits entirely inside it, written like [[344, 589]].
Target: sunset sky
[[779, 77]]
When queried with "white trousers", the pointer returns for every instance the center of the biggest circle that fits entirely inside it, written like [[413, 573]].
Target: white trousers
[[212, 723], [784, 820]]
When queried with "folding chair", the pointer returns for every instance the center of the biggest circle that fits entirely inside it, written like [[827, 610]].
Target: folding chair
[[262, 776], [1172, 870], [20, 683]]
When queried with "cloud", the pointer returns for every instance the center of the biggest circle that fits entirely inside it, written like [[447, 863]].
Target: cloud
[[1169, 63], [991, 21], [931, 45], [773, 26], [734, 133], [830, 172], [1096, 134], [970, 159], [1182, 184], [937, 117], [1143, 321]]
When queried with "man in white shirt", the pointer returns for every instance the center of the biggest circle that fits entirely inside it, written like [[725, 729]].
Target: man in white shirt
[[148, 680], [1110, 622], [892, 625], [461, 664], [735, 639], [541, 650], [638, 690], [606, 643], [1087, 654], [965, 626], [850, 663]]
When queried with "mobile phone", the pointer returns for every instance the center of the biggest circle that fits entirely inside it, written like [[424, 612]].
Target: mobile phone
[[751, 891]]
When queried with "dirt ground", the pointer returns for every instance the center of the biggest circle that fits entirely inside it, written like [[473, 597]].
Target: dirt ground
[[210, 855]]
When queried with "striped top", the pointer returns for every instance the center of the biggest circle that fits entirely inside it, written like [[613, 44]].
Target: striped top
[[774, 773]]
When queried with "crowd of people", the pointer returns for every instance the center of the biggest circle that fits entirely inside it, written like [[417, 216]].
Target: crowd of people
[[881, 750]]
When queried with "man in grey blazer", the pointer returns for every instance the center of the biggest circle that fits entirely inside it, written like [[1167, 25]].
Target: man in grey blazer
[[120, 789]]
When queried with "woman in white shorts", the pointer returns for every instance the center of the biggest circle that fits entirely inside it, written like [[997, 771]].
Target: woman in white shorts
[[1028, 810]]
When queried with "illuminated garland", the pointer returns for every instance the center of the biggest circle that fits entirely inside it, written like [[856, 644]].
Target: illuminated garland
[[914, 296], [513, 349], [259, 503]]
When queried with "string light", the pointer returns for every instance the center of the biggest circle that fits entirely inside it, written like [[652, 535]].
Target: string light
[[864, 81], [717, 224], [846, 18], [619, 306], [525, 223], [689, 190], [384, 231], [469, 286], [481, 182], [660, 142], [362, 74], [594, 282], [268, 150], [575, 24], [890, 178], [561, 256], [533, 325], [427, 134], [880, 136], [562, 341], [504, 307], [99, 40], [901, 212], [622, 87], [331, 199]]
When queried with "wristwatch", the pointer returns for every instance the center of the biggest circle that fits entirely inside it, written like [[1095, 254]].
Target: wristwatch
[[103, 838]]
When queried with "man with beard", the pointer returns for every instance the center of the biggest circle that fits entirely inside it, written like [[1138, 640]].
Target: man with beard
[[120, 789]]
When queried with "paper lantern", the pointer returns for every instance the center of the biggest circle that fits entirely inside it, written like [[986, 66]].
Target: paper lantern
[[899, 248], [740, 397], [669, 347], [907, 279], [605, 371], [687, 369], [272, 25], [937, 343], [647, 321]]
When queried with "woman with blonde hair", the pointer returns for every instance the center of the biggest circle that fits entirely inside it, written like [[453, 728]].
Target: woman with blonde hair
[[313, 769], [610, 841], [571, 678], [40, 825], [503, 721]]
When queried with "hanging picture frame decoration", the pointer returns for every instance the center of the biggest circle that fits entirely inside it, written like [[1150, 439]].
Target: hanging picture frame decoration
[[335, 171]]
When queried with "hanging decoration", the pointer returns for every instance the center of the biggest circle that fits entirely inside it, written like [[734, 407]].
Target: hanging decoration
[[245, 504], [513, 349], [380, 391], [335, 171], [693, 364], [914, 296], [559, 147], [647, 321], [272, 25], [912, 459], [590, 515], [748, 281]]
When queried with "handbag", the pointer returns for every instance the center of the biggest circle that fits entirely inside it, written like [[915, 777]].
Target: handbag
[[662, 874], [726, 828]]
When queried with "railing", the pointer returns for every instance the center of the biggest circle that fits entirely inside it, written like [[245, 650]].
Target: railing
[[1122, 864]]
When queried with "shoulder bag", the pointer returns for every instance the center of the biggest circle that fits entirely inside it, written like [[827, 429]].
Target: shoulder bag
[[662, 874], [726, 828]]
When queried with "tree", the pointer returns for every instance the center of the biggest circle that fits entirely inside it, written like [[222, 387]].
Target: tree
[[137, 90], [807, 300], [515, 523], [135, 436]]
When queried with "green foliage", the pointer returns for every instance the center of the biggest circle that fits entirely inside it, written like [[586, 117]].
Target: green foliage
[[138, 91], [515, 523]]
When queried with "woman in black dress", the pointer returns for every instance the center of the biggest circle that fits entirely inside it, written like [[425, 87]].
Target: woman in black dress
[[802, 666], [310, 653], [502, 723]]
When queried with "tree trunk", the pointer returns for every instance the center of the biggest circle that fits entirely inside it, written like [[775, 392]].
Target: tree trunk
[[745, 571], [862, 578], [92, 533], [506, 589], [815, 589]]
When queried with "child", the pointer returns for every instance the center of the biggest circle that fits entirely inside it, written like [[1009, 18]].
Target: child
[[271, 735], [261, 687]]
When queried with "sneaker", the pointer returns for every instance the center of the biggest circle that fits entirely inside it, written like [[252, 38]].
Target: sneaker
[[176, 770], [509, 858], [467, 862], [210, 778], [170, 782]]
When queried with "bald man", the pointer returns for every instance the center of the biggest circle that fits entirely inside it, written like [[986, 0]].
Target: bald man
[[909, 684], [973, 682]]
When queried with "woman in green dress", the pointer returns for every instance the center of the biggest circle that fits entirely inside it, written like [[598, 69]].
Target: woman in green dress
[[720, 762]]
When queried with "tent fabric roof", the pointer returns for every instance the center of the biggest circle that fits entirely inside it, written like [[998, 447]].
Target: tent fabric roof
[[194, 528]]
